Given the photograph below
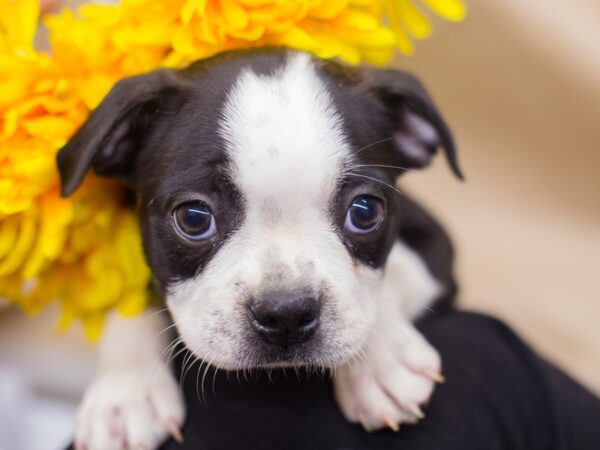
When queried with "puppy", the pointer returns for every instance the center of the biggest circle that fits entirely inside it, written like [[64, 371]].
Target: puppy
[[265, 186]]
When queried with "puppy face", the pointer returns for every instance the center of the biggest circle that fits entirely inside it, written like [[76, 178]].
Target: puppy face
[[265, 190]]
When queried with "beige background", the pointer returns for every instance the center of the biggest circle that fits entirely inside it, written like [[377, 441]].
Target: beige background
[[519, 83]]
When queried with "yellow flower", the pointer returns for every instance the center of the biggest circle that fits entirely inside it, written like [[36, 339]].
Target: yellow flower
[[18, 23], [85, 251]]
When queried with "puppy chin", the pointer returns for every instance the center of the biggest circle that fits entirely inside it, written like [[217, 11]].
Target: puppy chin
[[300, 357], [256, 354]]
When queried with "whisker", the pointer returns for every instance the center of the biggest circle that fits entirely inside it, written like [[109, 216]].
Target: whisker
[[378, 181], [159, 362], [154, 314], [196, 360], [373, 144], [203, 378], [384, 166], [184, 368], [169, 348], [193, 360], [201, 400], [164, 330], [215, 370], [179, 352], [146, 320]]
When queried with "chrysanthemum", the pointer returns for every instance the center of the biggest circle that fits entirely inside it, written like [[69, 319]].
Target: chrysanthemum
[[85, 251]]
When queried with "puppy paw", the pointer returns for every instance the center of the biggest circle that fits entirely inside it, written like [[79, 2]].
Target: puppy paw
[[127, 409], [388, 383]]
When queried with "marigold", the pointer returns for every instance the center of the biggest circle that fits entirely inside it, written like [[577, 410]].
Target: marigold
[[85, 251]]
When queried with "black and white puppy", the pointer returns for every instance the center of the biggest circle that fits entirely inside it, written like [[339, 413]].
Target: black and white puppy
[[264, 182]]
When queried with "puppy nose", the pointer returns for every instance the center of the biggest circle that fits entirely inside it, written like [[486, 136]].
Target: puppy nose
[[283, 319]]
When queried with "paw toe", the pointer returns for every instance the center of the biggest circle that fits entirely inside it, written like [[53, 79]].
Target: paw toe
[[408, 389]]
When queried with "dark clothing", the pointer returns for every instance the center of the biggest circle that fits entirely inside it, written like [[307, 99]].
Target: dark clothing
[[498, 395]]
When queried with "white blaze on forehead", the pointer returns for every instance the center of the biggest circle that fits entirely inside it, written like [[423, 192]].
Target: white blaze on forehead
[[284, 137]]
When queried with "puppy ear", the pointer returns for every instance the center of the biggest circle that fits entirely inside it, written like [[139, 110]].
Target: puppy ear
[[417, 125], [109, 140]]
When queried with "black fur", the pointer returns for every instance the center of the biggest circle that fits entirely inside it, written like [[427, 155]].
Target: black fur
[[159, 133]]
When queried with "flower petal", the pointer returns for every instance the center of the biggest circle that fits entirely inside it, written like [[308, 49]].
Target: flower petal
[[454, 10]]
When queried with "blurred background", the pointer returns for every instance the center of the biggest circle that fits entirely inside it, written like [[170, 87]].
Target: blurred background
[[519, 83]]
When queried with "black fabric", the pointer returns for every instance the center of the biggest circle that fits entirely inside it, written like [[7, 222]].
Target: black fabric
[[498, 395]]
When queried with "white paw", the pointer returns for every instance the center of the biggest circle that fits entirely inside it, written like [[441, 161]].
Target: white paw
[[131, 408], [388, 383]]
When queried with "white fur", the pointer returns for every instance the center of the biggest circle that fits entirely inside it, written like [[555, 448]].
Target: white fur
[[134, 401], [285, 139], [417, 286], [393, 376]]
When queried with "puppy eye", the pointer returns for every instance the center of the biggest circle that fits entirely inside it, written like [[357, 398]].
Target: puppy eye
[[364, 215], [195, 220]]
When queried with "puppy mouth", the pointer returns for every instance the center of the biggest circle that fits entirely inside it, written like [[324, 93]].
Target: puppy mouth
[[265, 353], [254, 353]]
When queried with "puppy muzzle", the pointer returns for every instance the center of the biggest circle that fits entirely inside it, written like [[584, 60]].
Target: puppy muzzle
[[284, 319]]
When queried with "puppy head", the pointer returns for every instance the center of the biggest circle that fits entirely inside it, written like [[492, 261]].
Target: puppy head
[[264, 183]]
